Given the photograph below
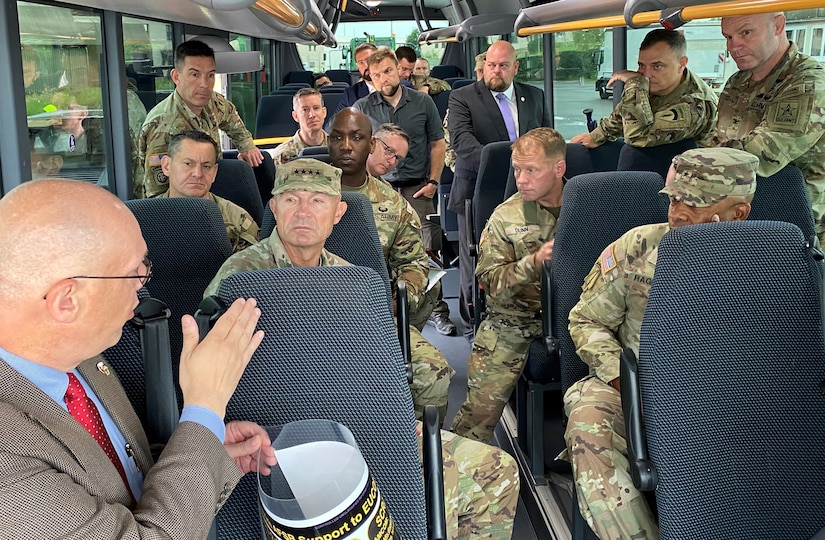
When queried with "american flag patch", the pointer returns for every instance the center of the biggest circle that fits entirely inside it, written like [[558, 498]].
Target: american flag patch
[[154, 159], [608, 260]]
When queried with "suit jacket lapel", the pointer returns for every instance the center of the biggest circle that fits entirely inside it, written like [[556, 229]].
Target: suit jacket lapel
[[522, 108], [493, 111], [108, 390]]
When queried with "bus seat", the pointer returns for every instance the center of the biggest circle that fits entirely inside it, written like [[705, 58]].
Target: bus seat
[[597, 208], [491, 182], [447, 218], [338, 75], [730, 378], [236, 182], [445, 72], [305, 77], [655, 158], [784, 197], [321, 153], [461, 82], [339, 84], [442, 101], [332, 90], [286, 91], [605, 157], [187, 243], [274, 117], [331, 98], [348, 338], [264, 173], [451, 80]]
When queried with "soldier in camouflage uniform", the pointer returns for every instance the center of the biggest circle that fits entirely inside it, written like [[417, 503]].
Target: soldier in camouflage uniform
[[191, 166], [480, 482], [774, 107], [407, 60], [400, 233], [662, 103], [194, 106], [518, 238], [136, 113], [309, 111], [705, 185]]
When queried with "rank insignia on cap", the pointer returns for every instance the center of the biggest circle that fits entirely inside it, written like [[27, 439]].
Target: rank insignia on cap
[[103, 368], [608, 260]]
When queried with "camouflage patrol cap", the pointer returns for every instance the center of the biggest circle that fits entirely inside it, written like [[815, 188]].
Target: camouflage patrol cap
[[306, 174], [705, 176]]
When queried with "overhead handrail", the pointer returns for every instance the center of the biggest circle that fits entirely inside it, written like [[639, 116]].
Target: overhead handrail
[[490, 24], [524, 26], [567, 11], [439, 35]]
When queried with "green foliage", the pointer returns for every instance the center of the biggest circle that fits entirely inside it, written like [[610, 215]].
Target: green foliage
[[412, 41]]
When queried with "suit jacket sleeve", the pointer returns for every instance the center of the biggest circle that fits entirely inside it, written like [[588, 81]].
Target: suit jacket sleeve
[[55, 481], [460, 124]]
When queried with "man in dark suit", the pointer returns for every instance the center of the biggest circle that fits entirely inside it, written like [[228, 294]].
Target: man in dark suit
[[74, 459], [476, 119], [362, 87]]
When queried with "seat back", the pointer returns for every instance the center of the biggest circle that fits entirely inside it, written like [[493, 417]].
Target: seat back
[[344, 365], [459, 82], [354, 238], [236, 182], [784, 197], [321, 153], [493, 171], [187, 244], [304, 77], [331, 98], [731, 369], [605, 157], [442, 101], [338, 75], [445, 72], [274, 118], [655, 158], [264, 173], [597, 209]]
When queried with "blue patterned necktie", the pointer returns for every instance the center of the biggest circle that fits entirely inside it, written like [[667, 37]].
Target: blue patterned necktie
[[504, 107]]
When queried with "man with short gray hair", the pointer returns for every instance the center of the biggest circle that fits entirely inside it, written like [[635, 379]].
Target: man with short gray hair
[[705, 185], [309, 111]]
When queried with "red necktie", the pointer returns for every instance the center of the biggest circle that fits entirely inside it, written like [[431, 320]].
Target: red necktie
[[84, 411]]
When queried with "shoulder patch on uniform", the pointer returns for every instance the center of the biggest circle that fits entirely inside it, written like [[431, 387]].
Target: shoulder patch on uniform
[[608, 260], [153, 160], [787, 112]]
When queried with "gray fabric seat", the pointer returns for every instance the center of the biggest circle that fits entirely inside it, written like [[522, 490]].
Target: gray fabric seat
[[236, 182], [783, 197], [731, 374], [330, 352]]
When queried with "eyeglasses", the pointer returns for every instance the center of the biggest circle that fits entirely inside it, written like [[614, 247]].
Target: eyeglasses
[[389, 152], [144, 278]]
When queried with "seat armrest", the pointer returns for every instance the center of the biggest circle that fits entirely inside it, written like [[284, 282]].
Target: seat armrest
[[469, 227], [642, 470], [551, 341], [433, 475], [402, 317]]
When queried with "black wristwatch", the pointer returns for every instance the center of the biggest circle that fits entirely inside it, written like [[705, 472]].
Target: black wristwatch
[[432, 181]]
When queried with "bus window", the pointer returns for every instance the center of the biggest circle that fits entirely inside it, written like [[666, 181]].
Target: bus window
[[242, 86], [148, 58], [62, 51]]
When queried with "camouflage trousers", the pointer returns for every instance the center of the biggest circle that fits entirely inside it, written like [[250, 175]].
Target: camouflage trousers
[[431, 375], [481, 486], [421, 312], [496, 362], [596, 448]]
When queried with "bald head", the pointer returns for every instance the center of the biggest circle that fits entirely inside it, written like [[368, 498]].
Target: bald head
[[500, 66], [756, 42], [350, 142], [54, 230]]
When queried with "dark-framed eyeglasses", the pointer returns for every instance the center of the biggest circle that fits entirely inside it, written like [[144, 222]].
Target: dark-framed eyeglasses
[[388, 151], [144, 278]]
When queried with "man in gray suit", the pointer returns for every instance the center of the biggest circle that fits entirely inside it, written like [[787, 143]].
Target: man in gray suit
[[71, 261], [477, 118]]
